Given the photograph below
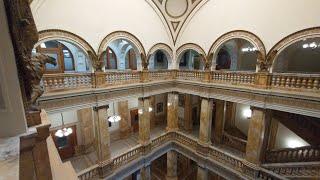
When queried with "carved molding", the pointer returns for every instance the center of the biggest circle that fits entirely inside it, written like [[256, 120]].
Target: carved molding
[[292, 38], [121, 35], [58, 34], [175, 23]]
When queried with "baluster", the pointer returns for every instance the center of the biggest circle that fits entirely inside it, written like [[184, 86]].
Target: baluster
[[278, 81], [316, 83], [283, 80], [292, 83], [304, 83], [287, 82], [310, 83], [273, 81]]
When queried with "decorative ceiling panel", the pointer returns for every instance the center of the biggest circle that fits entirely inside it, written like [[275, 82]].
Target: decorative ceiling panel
[[176, 12]]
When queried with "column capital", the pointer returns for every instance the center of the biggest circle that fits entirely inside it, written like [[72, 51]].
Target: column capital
[[96, 108]]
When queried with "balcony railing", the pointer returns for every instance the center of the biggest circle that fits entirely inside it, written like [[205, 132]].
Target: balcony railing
[[234, 142], [300, 154], [284, 81], [238, 164]]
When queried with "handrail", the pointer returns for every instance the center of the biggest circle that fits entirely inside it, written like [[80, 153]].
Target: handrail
[[234, 142], [300, 154]]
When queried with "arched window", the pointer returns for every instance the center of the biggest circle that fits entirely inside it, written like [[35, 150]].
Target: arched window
[[300, 57], [158, 60], [237, 55], [69, 57], [191, 60], [110, 59], [131, 60]]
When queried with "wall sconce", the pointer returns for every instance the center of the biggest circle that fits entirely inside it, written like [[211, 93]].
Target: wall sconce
[[247, 113], [63, 131], [150, 109]]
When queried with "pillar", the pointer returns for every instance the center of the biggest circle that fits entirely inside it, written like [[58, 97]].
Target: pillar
[[144, 120], [257, 135], [272, 133], [102, 133], [219, 121], [124, 123], [230, 115], [153, 113], [145, 173], [202, 173], [85, 118], [188, 122], [172, 163], [172, 112], [205, 121]]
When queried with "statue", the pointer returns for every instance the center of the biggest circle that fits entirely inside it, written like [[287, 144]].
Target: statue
[[265, 63], [144, 61], [208, 61], [37, 69], [96, 62]]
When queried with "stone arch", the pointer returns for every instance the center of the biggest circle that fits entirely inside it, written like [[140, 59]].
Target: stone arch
[[121, 35], [290, 39], [189, 46], [252, 38], [165, 49]]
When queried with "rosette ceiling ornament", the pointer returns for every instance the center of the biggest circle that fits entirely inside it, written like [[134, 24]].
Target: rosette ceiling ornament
[[175, 13]]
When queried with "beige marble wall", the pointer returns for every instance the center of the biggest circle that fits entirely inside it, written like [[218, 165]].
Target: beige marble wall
[[257, 135], [172, 112], [124, 123], [205, 121], [144, 120], [101, 133], [219, 120], [172, 163]]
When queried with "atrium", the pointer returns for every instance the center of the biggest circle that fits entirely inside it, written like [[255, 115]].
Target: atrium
[[159, 89]]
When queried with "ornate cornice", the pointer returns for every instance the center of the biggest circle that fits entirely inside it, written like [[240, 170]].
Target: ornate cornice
[[58, 34], [121, 35], [176, 22]]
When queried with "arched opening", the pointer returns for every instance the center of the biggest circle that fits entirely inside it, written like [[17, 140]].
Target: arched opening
[[158, 60], [124, 55], [69, 57], [191, 60], [302, 56], [236, 55], [110, 59]]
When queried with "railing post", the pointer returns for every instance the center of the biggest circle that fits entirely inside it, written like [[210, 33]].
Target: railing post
[[144, 76], [99, 79], [262, 80]]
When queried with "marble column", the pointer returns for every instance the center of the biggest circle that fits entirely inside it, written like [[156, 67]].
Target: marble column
[[172, 112], [202, 173], [205, 121], [144, 120], [273, 133], [230, 115], [124, 124], [153, 113], [257, 135], [86, 124], [145, 173], [219, 121], [172, 163], [101, 133], [188, 123]]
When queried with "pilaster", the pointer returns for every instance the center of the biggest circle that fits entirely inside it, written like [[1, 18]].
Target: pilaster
[[172, 112], [219, 121], [188, 122], [202, 173], [144, 120], [205, 121], [172, 163]]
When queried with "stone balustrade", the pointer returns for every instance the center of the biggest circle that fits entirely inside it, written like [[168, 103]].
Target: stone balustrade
[[66, 81], [241, 166], [281, 81], [295, 81], [300, 154], [235, 142], [304, 170]]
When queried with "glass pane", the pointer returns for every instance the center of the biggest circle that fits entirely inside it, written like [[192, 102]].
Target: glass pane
[[68, 64], [50, 66]]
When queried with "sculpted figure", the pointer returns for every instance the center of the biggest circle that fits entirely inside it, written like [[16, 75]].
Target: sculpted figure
[[144, 61], [36, 68], [96, 63], [265, 63], [208, 61]]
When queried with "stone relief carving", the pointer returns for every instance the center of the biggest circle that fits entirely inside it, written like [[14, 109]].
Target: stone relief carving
[[24, 36], [97, 63], [208, 61], [144, 61], [265, 63]]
